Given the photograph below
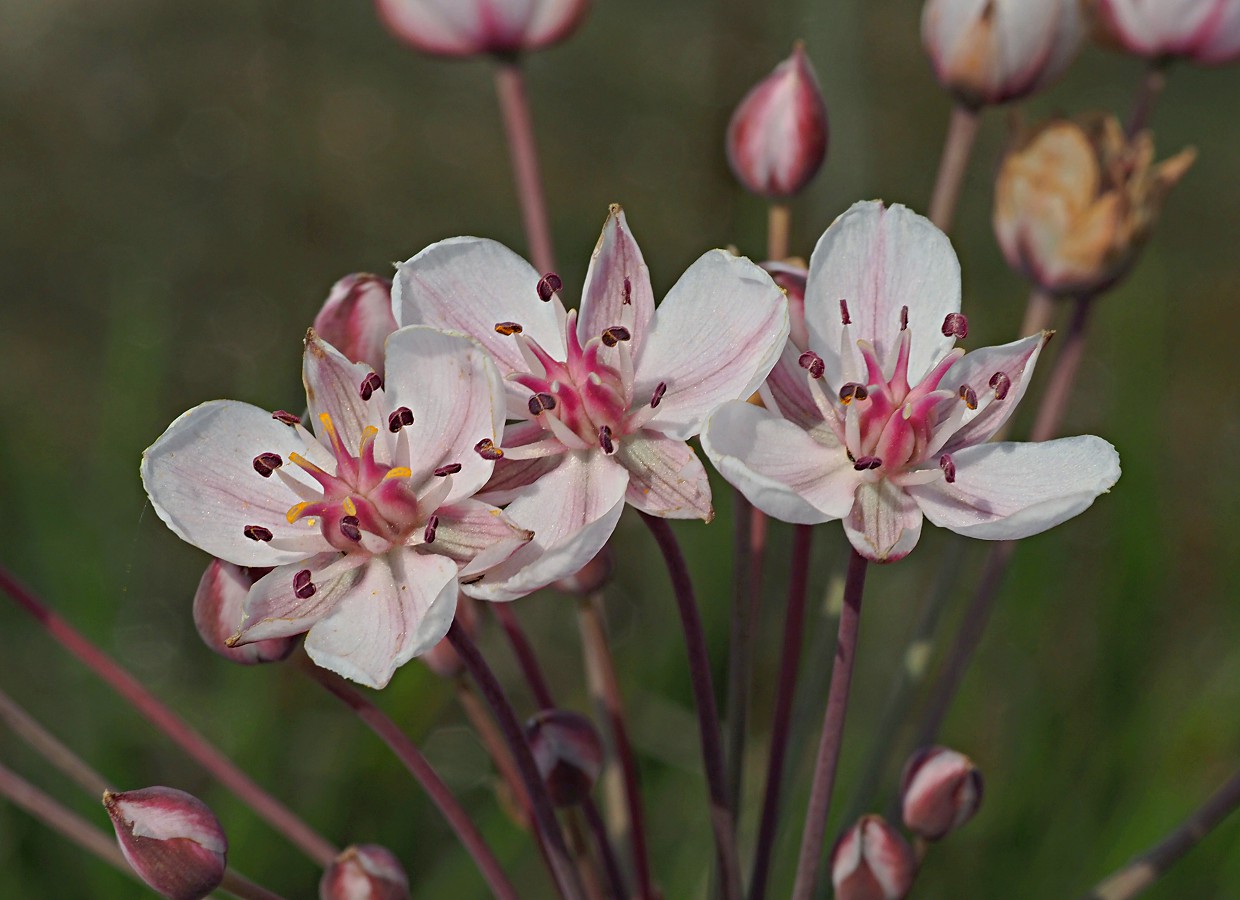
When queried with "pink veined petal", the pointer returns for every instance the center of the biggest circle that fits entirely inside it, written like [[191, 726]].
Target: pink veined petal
[[457, 399], [665, 477], [476, 535], [617, 289], [201, 480], [333, 386], [885, 522], [1223, 43], [715, 338], [357, 318], [786, 391], [778, 467], [1016, 362], [1007, 491], [401, 606], [572, 511], [273, 609], [881, 259], [470, 285], [554, 20], [513, 475]]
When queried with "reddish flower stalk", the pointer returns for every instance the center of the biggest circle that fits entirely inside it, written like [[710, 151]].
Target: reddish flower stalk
[[957, 149], [518, 125], [49, 746]]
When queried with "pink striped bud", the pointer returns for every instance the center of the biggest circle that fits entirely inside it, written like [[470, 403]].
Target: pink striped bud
[[940, 791], [568, 752], [777, 138], [171, 839], [364, 872], [872, 861], [1203, 31], [470, 27], [218, 608], [357, 318], [791, 276]]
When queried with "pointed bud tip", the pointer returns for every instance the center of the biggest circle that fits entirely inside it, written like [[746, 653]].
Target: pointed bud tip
[[364, 872], [872, 861], [568, 752], [171, 839], [940, 791]]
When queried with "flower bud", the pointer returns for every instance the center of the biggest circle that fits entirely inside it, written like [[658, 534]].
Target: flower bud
[[872, 861], [1203, 31], [442, 659], [993, 51], [591, 577], [364, 872], [357, 318], [777, 138], [940, 791], [1076, 200], [218, 608], [791, 276], [171, 839], [568, 753], [470, 27]]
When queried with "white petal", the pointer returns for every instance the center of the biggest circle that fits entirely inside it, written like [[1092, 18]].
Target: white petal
[[477, 535], [273, 609], [333, 387], [786, 391], [885, 523], [617, 289], [976, 369], [665, 477]]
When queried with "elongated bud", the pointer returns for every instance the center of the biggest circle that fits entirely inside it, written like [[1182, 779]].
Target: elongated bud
[[1206, 32], [171, 839], [777, 138], [590, 577], [471, 27], [357, 318], [940, 791], [442, 659], [872, 861], [218, 609], [568, 752], [791, 276], [993, 51], [364, 872]]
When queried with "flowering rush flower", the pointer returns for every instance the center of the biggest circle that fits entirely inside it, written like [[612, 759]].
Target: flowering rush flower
[[369, 522], [1204, 31], [879, 422], [605, 396], [470, 27]]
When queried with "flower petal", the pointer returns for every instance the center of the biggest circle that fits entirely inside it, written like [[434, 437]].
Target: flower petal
[[885, 522], [617, 289], [333, 387], [511, 475], [476, 535], [880, 259], [273, 609], [1007, 491], [778, 467], [665, 477], [714, 338], [457, 399], [1015, 361], [401, 605], [786, 391], [201, 480], [572, 511]]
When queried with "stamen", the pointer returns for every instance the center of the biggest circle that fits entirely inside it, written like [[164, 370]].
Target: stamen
[[948, 467], [399, 419], [303, 587], [956, 325], [853, 391], [540, 402], [548, 285], [370, 384], [257, 533], [350, 527], [294, 512], [1001, 383], [432, 525], [487, 450], [266, 463], [449, 469], [812, 362], [605, 441], [286, 417], [615, 334], [867, 462], [398, 472], [904, 318], [349, 507], [507, 328], [844, 316], [657, 397], [969, 396], [628, 292]]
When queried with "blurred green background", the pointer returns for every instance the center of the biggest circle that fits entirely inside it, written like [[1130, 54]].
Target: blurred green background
[[181, 184]]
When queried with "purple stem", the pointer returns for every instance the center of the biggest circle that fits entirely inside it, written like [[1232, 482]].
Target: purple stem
[[832, 731], [1152, 84], [722, 818], [957, 148], [518, 125], [50, 747], [615, 878]]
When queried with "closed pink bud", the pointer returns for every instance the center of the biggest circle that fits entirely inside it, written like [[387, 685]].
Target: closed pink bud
[[940, 791], [171, 839], [568, 753], [357, 318], [442, 659], [218, 608], [791, 276], [470, 27], [993, 51], [589, 578], [777, 138], [364, 872], [872, 861], [1203, 31]]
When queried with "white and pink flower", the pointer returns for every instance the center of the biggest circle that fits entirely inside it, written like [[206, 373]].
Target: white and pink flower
[[470, 27], [369, 522], [1203, 31], [605, 396], [881, 423]]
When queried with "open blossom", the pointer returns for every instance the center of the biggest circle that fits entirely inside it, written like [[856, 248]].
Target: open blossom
[[880, 422], [993, 51], [369, 522], [1203, 31], [606, 396], [469, 27]]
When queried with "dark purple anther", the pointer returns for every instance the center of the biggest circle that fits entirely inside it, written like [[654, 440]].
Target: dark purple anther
[[948, 467], [266, 463], [844, 316], [351, 528], [628, 291], [487, 450], [969, 396], [657, 397], [257, 533], [507, 328], [432, 526], [399, 419], [853, 391], [605, 441], [904, 318], [548, 285], [370, 384], [540, 402], [286, 417], [812, 363], [1001, 383], [867, 462], [615, 334], [303, 587], [956, 325], [449, 469]]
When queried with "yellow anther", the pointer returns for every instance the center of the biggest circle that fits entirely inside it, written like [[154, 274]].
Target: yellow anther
[[326, 419], [295, 512], [350, 508], [398, 472], [368, 435], [298, 460]]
